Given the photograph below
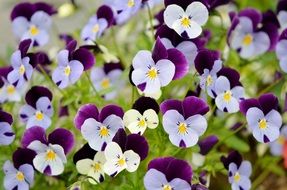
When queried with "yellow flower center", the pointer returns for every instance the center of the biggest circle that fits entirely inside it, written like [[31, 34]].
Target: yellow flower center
[[39, 116], [281, 140], [209, 80], [22, 70], [185, 22], [105, 83], [10, 89], [20, 176], [182, 128], [247, 40], [237, 177], [166, 187], [67, 70], [104, 131], [34, 30], [50, 155], [121, 162], [97, 167], [131, 3], [141, 123], [227, 96], [152, 73], [96, 28], [262, 124]]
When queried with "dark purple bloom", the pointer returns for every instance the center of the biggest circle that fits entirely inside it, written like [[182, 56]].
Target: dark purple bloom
[[207, 144], [232, 157]]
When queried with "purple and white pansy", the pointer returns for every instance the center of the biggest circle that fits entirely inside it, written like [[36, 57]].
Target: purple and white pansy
[[71, 64], [263, 118], [107, 79], [99, 128], [125, 153], [186, 21], [276, 147], [50, 151], [143, 115], [151, 71], [281, 48], [38, 110], [161, 174], [7, 135], [184, 121], [32, 21]]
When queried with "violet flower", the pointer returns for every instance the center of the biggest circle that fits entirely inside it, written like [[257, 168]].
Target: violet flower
[[50, 151], [7, 135], [99, 128], [276, 147], [263, 118], [281, 48], [184, 121], [161, 174], [282, 13]]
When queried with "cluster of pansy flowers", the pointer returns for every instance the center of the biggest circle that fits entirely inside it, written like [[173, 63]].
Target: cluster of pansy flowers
[[116, 138]]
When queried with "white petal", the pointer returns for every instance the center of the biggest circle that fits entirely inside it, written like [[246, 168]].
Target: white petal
[[198, 12], [38, 147], [142, 59], [197, 123], [90, 133], [171, 14], [113, 151], [281, 49], [193, 31], [152, 118], [152, 86], [139, 76], [166, 71], [84, 166], [20, 25], [132, 159], [222, 84], [253, 115], [170, 120]]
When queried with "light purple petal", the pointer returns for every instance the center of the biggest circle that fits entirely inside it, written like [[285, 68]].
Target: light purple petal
[[44, 105], [154, 180], [6, 134], [179, 184], [76, 71], [166, 71]]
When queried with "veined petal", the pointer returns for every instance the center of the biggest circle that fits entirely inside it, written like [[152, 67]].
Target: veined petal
[[222, 84], [84, 166], [43, 104], [172, 13], [197, 123], [142, 59], [113, 151], [190, 32], [132, 160], [76, 70], [274, 117], [63, 58], [166, 71], [170, 120], [253, 115], [154, 179], [198, 12], [152, 118]]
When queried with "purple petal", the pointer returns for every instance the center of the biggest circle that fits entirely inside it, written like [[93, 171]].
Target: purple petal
[[85, 152], [121, 138], [85, 112], [205, 60], [108, 67], [159, 51], [207, 144], [172, 168], [62, 137], [171, 105], [268, 102], [283, 35], [67, 38], [33, 134], [253, 14], [64, 111], [6, 117], [23, 9], [85, 57], [107, 13], [281, 6], [49, 9], [24, 47], [233, 157], [182, 3], [144, 103], [40, 58], [71, 46], [232, 75], [109, 110], [180, 63], [37, 92], [248, 103], [23, 156], [138, 144], [193, 105], [272, 31]]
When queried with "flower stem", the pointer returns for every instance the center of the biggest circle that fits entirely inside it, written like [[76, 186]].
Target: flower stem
[[92, 85], [150, 20]]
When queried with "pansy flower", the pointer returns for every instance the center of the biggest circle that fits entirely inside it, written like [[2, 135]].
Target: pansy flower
[[143, 115], [263, 118], [282, 13], [186, 21], [99, 128], [50, 151], [207, 144], [38, 110], [247, 37], [97, 24], [161, 174], [276, 147], [124, 9], [32, 21], [208, 64], [125, 152], [229, 91], [18, 178], [71, 64], [7, 135], [90, 163], [184, 121], [108, 78], [281, 48], [151, 71]]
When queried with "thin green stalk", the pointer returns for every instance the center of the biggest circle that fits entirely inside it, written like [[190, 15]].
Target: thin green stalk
[[92, 85], [150, 20]]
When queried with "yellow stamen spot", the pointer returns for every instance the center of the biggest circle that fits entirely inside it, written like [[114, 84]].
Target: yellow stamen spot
[[237, 177], [20, 176], [247, 40], [281, 140], [121, 162], [22, 70], [39, 116], [50, 155], [152, 73], [105, 83], [166, 187], [34, 30], [182, 128], [131, 3], [97, 167], [227, 96], [104, 131], [10, 89], [96, 28], [141, 123], [67, 70], [209, 80], [185, 22], [262, 124]]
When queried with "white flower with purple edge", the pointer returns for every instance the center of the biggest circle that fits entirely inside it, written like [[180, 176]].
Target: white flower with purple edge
[[276, 147], [187, 23], [7, 135], [239, 176]]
